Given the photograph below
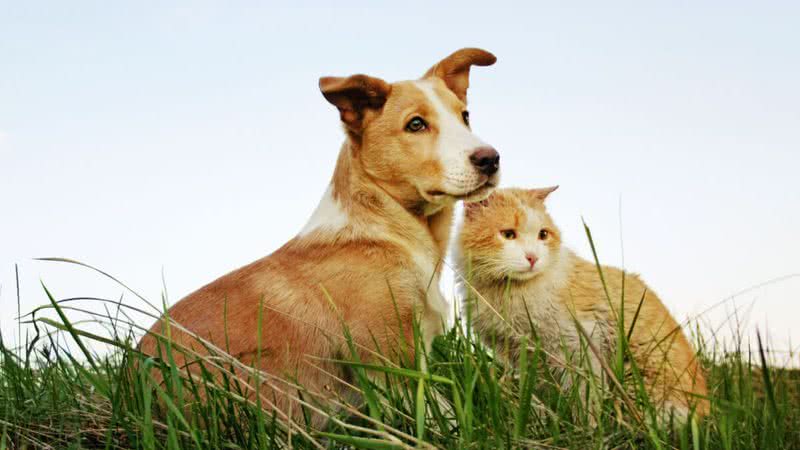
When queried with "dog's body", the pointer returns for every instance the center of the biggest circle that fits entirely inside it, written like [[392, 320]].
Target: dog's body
[[369, 257]]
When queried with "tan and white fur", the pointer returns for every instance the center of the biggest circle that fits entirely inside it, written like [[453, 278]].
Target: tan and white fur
[[517, 274], [369, 256]]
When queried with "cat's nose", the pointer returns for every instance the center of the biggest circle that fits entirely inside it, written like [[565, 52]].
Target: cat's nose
[[531, 258]]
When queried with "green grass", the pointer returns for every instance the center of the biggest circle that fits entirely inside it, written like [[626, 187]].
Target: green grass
[[57, 392]]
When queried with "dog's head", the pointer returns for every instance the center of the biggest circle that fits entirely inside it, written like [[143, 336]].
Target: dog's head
[[414, 137]]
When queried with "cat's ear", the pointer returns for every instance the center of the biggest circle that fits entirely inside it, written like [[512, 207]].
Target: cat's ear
[[471, 208], [540, 194]]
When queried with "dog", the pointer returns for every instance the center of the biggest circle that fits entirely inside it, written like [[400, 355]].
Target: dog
[[369, 259]]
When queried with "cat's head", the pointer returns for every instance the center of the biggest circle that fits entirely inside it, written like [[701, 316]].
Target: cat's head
[[509, 235]]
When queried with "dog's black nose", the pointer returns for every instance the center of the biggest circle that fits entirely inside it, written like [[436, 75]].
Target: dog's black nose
[[486, 160]]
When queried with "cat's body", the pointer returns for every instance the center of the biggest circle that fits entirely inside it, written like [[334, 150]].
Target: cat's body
[[510, 252]]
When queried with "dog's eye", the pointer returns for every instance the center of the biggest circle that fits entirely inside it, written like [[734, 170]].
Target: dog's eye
[[543, 234], [465, 116], [416, 124], [509, 234]]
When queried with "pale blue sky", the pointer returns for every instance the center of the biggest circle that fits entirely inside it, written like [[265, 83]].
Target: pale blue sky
[[192, 137]]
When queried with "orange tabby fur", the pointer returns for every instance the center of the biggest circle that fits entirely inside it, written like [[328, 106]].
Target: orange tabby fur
[[560, 284]]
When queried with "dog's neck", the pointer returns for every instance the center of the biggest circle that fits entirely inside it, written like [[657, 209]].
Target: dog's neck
[[357, 207]]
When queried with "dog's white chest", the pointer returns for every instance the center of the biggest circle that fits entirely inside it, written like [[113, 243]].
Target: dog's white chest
[[434, 311]]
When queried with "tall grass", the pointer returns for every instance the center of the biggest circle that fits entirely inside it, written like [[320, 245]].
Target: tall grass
[[57, 392]]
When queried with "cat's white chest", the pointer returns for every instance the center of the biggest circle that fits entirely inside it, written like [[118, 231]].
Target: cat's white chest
[[550, 319]]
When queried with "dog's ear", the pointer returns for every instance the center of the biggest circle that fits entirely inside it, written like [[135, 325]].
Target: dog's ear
[[353, 96], [454, 70], [540, 194]]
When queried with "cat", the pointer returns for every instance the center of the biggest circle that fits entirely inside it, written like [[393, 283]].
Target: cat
[[510, 255]]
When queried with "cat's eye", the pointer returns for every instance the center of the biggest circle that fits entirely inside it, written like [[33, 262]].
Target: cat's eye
[[465, 116], [416, 125], [543, 234], [509, 234]]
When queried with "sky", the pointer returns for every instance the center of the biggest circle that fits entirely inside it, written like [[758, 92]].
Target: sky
[[168, 143]]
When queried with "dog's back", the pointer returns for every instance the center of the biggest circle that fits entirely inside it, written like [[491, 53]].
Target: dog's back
[[301, 324]]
